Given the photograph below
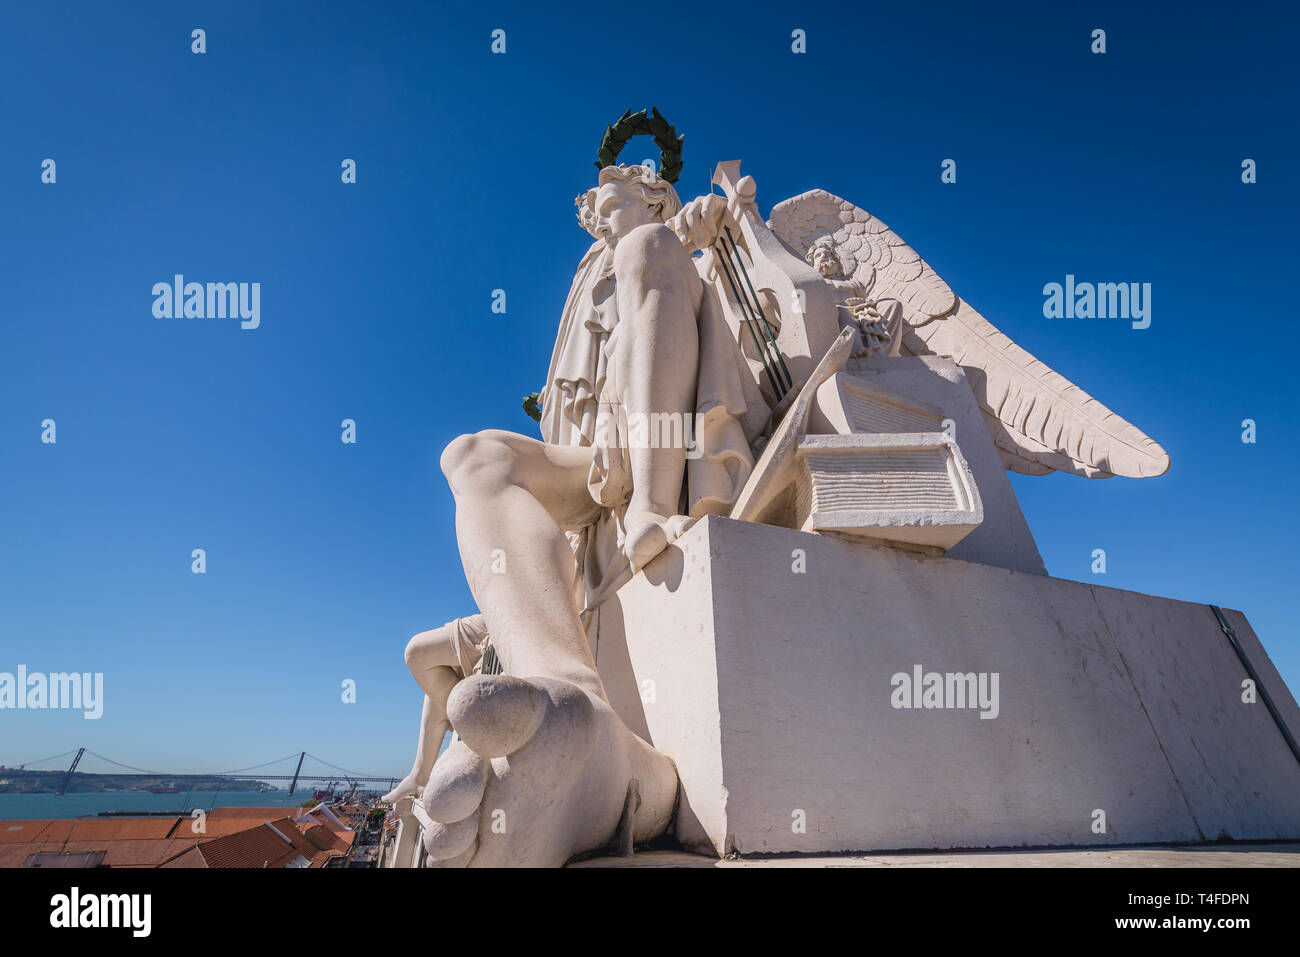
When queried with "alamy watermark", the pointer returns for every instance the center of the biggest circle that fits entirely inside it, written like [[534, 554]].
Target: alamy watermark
[[130, 911], [648, 430], [78, 691], [179, 299], [931, 689], [1103, 300]]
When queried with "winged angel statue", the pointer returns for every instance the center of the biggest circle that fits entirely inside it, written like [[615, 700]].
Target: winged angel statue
[[699, 313], [1040, 422]]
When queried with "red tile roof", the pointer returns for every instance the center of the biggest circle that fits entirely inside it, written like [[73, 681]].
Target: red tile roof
[[277, 843], [121, 828], [192, 857], [28, 831], [64, 859], [264, 845], [261, 813], [141, 853], [239, 835]]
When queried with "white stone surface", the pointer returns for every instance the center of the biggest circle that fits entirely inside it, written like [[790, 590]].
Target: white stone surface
[[1003, 538], [771, 692], [1189, 679], [547, 528], [1190, 855], [909, 489], [1039, 420], [851, 457], [408, 850], [849, 403]]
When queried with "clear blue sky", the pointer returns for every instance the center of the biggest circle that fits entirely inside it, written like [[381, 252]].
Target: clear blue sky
[[324, 558]]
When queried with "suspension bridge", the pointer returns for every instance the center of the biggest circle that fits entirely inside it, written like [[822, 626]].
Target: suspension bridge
[[332, 773]]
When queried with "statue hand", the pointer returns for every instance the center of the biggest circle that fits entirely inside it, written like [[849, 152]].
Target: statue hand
[[700, 221], [876, 329], [649, 534]]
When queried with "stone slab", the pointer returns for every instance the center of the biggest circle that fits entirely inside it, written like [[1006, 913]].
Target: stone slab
[[1182, 856], [770, 687], [1190, 682]]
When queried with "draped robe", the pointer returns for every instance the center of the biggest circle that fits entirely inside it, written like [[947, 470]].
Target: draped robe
[[729, 413]]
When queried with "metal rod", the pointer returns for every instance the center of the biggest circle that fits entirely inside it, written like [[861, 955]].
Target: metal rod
[[752, 310], [771, 336], [750, 324]]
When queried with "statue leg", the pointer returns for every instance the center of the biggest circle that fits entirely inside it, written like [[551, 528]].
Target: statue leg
[[431, 656], [515, 498], [656, 363], [543, 766]]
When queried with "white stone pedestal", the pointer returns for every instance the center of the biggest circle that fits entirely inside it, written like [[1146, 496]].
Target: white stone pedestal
[[771, 689], [409, 851]]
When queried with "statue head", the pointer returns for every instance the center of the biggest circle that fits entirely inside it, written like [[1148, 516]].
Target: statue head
[[626, 197], [824, 256]]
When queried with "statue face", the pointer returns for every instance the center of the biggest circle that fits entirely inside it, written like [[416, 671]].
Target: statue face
[[619, 210], [826, 261]]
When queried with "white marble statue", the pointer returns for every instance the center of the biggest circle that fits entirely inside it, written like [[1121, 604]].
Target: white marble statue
[[1040, 422], [541, 768], [878, 322]]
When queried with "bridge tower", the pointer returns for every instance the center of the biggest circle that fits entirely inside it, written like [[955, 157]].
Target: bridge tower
[[68, 777], [294, 784]]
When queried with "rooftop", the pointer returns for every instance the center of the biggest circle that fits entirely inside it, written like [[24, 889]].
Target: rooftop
[[229, 837]]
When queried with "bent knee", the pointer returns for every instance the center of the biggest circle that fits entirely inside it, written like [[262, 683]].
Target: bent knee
[[472, 459], [458, 451], [652, 258], [418, 648], [428, 648], [649, 249]]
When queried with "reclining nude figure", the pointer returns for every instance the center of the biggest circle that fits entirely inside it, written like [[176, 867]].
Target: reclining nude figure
[[542, 768], [438, 660]]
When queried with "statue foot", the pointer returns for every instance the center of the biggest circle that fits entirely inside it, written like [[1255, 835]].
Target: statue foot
[[541, 773], [409, 786], [649, 534]]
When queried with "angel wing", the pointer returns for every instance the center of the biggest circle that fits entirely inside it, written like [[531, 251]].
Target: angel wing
[[1039, 420]]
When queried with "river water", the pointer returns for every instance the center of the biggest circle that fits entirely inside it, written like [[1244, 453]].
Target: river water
[[28, 807]]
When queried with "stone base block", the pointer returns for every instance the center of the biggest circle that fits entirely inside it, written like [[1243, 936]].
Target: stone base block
[[823, 695]]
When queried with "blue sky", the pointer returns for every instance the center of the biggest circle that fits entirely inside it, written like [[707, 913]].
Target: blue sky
[[323, 558]]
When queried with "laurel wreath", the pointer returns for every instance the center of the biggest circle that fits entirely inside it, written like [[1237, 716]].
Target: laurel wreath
[[639, 124], [616, 137]]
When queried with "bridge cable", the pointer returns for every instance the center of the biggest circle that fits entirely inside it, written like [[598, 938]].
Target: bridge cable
[[287, 757], [52, 757], [128, 766], [355, 774]]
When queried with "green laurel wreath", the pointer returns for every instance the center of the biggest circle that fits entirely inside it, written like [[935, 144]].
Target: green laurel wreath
[[532, 406], [639, 124]]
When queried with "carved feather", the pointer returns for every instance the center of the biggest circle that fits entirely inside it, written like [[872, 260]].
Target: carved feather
[[1039, 420]]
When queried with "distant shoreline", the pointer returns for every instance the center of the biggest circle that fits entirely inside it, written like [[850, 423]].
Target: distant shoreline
[[206, 789], [31, 807], [16, 781]]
